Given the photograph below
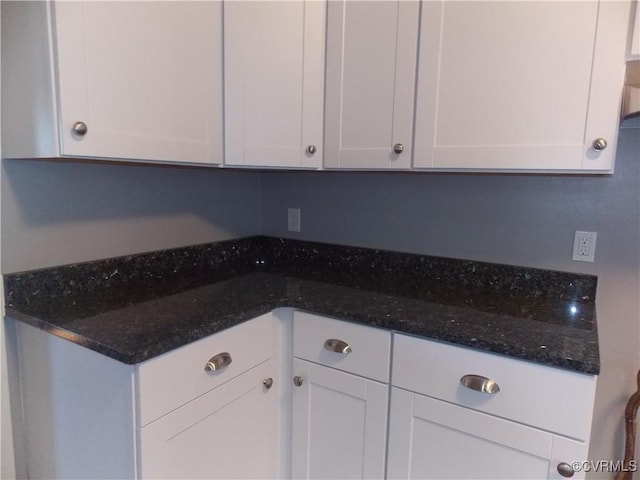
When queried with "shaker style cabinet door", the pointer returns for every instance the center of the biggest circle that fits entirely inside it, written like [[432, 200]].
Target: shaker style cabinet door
[[432, 439], [371, 62], [230, 432], [274, 82], [140, 80], [112, 80], [519, 85], [339, 424]]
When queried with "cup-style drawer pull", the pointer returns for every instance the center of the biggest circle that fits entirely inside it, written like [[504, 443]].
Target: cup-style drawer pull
[[480, 384], [338, 346], [218, 362]]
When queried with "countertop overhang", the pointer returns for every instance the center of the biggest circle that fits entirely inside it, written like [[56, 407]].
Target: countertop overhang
[[137, 307]]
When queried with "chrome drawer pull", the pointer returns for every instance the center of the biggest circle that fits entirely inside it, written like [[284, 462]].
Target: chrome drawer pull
[[218, 362], [337, 346], [480, 384]]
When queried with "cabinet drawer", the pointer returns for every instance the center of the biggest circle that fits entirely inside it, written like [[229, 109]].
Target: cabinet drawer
[[166, 382], [369, 347], [545, 397]]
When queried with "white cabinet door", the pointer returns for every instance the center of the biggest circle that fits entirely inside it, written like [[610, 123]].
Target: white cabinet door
[[371, 62], [145, 78], [519, 85], [274, 82], [432, 439], [230, 432], [339, 424]]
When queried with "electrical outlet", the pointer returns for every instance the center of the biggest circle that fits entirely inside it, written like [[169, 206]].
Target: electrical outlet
[[584, 246], [293, 219]]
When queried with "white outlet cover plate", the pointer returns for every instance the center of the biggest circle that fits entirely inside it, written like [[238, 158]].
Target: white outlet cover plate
[[584, 246], [293, 219]]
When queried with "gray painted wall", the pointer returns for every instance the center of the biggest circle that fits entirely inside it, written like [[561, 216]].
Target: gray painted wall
[[521, 220], [57, 213]]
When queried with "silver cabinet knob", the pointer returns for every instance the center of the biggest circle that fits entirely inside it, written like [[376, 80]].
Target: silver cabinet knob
[[337, 346], [565, 469], [311, 149], [80, 128], [480, 384], [599, 144], [398, 148], [268, 383], [297, 381], [218, 362]]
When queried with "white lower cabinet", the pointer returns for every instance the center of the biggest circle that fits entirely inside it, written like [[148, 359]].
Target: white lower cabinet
[[339, 424], [464, 414], [340, 398], [229, 432], [88, 416], [432, 439], [349, 408]]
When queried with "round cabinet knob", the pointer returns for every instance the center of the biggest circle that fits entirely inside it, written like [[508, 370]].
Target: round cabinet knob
[[80, 128], [565, 469], [297, 381], [268, 383], [398, 148], [599, 144], [311, 149]]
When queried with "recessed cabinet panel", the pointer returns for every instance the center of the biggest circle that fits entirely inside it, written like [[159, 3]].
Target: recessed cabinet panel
[[144, 77], [371, 61], [515, 85], [274, 74]]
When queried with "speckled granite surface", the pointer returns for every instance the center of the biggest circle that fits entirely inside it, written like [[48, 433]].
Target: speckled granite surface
[[134, 308]]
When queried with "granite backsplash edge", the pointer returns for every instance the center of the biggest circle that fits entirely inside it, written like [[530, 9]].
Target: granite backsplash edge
[[101, 285]]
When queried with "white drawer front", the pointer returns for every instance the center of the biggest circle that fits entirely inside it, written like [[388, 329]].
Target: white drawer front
[[166, 382], [545, 397], [370, 347]]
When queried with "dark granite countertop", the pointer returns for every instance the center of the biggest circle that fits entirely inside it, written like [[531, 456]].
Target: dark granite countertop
[[137, 307]]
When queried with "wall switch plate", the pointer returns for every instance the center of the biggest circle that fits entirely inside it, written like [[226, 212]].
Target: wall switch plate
[[293, 220], [584, 246]]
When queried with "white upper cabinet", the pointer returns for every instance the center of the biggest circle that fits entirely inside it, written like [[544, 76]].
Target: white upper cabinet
[[520, 85], [371, 62], [274, 83], [120, 80]]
